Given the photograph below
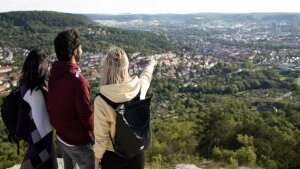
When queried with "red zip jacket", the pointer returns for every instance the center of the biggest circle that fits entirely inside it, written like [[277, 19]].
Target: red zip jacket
[[69, 103]]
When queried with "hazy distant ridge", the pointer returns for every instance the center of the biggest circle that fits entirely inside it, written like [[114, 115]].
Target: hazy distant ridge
[[259, 17]]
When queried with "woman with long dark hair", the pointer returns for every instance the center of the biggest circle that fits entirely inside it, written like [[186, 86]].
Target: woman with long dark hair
[[33, 122]]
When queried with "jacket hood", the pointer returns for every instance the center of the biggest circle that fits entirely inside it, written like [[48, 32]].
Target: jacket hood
[[119, 93], [59, 69]]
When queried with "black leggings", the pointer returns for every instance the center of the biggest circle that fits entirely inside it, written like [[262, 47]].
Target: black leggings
[[111, 160]]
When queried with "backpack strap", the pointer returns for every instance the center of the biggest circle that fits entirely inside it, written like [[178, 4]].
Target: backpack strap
[[111, 103], [138, 96], [18, 147], [116, 105]]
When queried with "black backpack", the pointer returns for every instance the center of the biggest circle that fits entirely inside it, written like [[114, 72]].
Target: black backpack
[[133, 134], [9, 113]]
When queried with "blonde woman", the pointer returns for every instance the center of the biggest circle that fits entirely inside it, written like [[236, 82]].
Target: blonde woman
[[117, 86]]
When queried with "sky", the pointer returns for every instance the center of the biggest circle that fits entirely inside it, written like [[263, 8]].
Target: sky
[[152, 6]]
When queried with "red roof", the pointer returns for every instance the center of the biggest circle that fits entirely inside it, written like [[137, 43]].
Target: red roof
[[5, 67], [2, 87], [5, 93]]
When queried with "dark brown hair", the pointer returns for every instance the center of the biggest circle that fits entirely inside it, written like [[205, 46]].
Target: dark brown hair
[[65, 43], [35, 69]]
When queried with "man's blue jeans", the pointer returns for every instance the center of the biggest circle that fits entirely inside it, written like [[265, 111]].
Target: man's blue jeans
[[82, 155]]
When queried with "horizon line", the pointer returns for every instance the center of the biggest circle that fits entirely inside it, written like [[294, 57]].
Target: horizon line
[[192, 13]]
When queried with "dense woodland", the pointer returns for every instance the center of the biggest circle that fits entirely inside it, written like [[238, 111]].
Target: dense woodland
[[34, 29], [210, 121], [224, 125]]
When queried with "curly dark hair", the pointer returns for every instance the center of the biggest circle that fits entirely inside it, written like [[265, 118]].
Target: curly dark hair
[[35, 69], [65, 43]]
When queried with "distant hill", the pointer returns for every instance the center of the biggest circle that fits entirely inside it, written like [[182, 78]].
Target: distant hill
[[36, 21], [37, 29], [171, 19], [212, 16]]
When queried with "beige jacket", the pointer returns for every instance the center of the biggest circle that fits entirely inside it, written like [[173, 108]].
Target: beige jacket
[[105, 115]]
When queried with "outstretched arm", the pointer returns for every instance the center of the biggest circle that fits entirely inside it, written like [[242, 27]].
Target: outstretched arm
[[146, 76]]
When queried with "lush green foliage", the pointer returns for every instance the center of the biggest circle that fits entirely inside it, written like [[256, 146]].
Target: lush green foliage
[[226, 125], [29, 30]]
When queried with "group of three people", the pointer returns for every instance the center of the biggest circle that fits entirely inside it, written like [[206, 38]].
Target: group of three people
[[84, 138]]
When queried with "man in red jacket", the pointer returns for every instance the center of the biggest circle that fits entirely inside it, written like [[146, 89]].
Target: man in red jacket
[[69, 105]]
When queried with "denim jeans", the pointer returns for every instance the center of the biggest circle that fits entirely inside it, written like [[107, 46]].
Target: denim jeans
[[80, 155]]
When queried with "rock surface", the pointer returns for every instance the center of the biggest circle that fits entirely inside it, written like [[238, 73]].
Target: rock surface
[[186, 166], [59, 161]]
